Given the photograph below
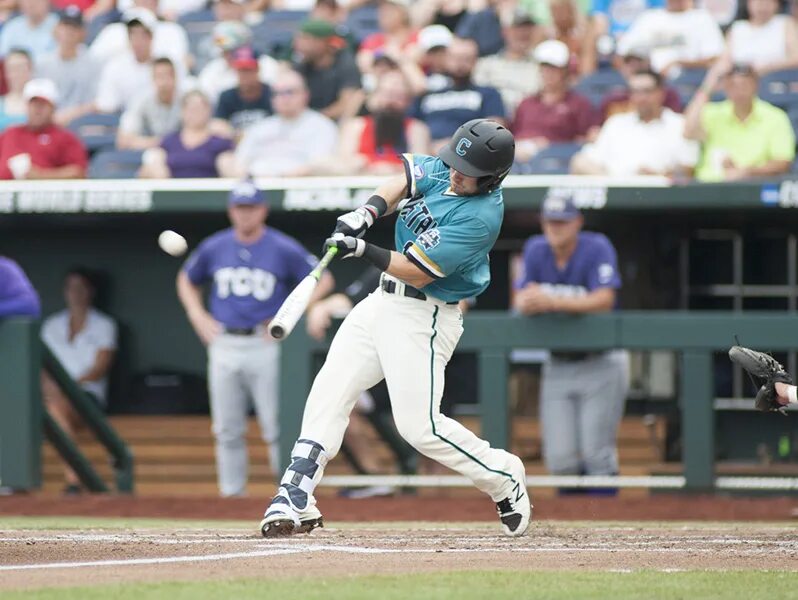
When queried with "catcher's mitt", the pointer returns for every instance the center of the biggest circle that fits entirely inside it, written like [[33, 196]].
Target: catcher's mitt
[[764, 371]]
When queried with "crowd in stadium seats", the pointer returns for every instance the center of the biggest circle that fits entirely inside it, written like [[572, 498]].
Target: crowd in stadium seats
[[206, 88]]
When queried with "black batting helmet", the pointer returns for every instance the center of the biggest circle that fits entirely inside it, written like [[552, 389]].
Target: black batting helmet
[[481, 148]]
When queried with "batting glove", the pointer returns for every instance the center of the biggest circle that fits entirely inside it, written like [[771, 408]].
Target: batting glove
[[347, 245], [355, 223]]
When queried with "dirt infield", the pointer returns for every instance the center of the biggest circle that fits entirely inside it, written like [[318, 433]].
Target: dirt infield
[[66, 558], [475, 507]]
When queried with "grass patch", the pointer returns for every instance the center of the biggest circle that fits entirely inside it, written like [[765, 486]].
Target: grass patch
[[465, 585]]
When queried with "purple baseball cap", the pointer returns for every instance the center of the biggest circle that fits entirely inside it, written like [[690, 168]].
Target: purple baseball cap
[[559, 207], [246, 192]]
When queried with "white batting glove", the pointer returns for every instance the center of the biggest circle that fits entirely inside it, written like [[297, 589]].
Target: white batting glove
[[347, 245], [355, 223]]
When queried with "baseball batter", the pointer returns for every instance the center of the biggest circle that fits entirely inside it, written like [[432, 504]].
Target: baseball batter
[[252, 269], [450, 212]]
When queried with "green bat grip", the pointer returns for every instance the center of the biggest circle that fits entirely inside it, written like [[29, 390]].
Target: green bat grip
[[324, 262]]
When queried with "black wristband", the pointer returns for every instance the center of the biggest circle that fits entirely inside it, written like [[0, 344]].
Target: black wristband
[[379, 257], [377, 205]]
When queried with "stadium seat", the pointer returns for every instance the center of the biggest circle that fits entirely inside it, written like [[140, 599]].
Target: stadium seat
[[96, 130], [198, 16], [688, 81], [115, 164], [362, 22], [274, 33], [780, 88], [597, 85], [793, 114], [553, 160], [198, 25]]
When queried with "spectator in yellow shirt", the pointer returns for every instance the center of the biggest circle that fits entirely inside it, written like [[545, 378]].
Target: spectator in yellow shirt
[[743, 137]]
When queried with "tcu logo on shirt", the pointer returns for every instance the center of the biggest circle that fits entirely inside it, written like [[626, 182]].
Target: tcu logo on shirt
[[243, 281]]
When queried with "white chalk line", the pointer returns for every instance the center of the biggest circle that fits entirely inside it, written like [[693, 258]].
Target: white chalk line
[[272, 550]]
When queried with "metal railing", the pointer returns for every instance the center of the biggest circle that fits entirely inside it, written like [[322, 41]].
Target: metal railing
[[493, 335], [121, 456]]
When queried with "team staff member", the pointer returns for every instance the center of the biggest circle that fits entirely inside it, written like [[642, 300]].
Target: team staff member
[[405, 331], [40, 149], [252, 269], [582, 393], [83, 339]]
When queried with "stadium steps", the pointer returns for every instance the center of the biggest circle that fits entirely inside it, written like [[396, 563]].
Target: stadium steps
[[175, 454]]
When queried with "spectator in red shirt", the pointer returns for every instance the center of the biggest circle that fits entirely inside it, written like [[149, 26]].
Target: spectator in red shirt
[[556, 114], [396, 37], [40, 149]]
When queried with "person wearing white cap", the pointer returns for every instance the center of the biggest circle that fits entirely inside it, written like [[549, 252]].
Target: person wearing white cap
[[513, 71], [130, 74], [434, 41], [32, 30], [461, 101], [168, 39], [556, 114], [40, 149]]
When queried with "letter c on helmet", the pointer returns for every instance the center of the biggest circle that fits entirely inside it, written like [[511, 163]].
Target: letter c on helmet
[[462, 146]]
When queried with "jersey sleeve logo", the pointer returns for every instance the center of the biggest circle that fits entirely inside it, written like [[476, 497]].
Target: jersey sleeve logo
[[418, 171], [605, 273], [429, 239], [462, 146]]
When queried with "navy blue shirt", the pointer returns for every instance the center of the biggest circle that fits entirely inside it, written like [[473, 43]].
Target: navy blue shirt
[[593, 265], [17, 296], [243, 113], [445, 110], [250, 281]]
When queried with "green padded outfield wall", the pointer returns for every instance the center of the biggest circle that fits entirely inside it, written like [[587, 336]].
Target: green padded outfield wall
[[20, 404], [113, 226]]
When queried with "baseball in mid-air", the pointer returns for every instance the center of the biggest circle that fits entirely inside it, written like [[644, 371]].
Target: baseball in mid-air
[[172, 243]]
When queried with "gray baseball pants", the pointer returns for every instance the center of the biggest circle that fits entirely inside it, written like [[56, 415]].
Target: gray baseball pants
[[242, 371], [581, 404]]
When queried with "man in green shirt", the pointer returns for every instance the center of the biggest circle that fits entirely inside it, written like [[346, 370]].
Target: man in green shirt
[[743, 137]]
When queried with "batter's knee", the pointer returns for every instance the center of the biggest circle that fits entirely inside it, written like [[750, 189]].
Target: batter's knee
[[420, 436]]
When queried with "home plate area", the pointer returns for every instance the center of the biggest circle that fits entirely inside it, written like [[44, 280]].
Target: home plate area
[[35, 558]]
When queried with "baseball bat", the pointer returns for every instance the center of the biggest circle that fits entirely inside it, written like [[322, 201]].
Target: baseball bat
[[294, 305]]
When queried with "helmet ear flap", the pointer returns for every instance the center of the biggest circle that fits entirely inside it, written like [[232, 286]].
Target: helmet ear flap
[[491, 182]]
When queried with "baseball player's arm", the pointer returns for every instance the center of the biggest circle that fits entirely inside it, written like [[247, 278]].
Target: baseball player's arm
[[600, 300], [206, 327], [533, 300], [386, 260], [383, 202]]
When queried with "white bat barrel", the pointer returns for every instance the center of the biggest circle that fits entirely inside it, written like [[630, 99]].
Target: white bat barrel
[[292, 309]]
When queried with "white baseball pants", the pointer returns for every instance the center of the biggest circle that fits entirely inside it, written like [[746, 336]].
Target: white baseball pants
[[242, 371], [408, 342]]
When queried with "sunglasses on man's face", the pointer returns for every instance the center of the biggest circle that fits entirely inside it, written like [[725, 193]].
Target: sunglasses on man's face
[[285, 92]]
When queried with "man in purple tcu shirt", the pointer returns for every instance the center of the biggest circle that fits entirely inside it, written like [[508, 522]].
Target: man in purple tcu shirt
[[582, 393], [252, 268], [17, 296]]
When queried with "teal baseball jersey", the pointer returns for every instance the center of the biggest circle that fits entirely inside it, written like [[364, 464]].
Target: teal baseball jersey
[[447, 236]]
